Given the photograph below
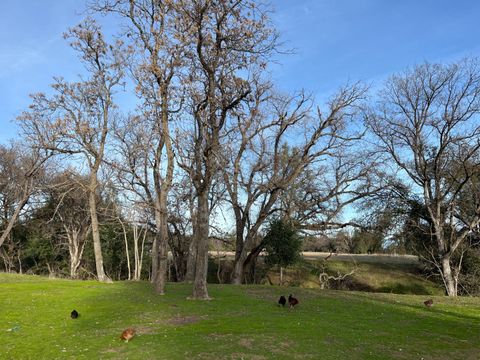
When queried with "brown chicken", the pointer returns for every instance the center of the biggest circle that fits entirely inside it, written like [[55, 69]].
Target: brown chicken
[[292, 301], [127, 334], [428, 303]]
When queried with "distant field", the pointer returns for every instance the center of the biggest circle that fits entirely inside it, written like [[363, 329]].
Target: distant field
[[310, 255], [398, 274], [370, 258], [241, 322]]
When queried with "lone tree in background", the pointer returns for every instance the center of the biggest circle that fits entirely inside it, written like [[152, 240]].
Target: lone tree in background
[[427, 124], [282, 245]]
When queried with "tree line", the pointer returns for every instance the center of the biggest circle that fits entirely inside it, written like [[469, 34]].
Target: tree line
[[212, 143]]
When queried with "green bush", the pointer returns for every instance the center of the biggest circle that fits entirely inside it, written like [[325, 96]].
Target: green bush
[[282, 244]]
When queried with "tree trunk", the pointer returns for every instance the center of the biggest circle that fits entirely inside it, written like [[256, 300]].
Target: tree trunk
[[219, 268], [74, 265], [14, 218], [448, 278], [160, 274], [138, 252], [201, 238], [154, 258], [180, 263], [238, 271], [135, 252], [19, 259], [244, 262], [162, 240], [76, 244], [97, 247], [240, 256], [191, 258], [140, 264], [127, 251]]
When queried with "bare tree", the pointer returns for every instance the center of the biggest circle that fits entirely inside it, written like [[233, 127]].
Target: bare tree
[[139, 164], [67, 193], [151, 30], [76, 119], [22, 171], [321, 194], [263, 165], [427, 124], [181, 217], [225, 40], [138, 232]]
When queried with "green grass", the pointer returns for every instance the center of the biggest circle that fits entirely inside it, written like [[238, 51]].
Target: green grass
[[241, 322]]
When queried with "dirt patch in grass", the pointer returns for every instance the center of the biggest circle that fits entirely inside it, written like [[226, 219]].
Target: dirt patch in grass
[[246, 343], [271, 344], [233, 356], [145, 330], [330, 340], [280, 348], [114, 354], [258, 293], [184, 320], [241, 356]]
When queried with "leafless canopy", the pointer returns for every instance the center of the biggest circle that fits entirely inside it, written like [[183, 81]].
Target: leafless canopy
[[427, 122]]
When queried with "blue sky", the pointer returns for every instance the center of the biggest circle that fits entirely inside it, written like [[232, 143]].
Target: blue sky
[[335, 41]]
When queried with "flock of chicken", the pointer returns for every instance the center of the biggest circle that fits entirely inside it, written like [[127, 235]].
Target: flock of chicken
[[129, 333], [291, 301]]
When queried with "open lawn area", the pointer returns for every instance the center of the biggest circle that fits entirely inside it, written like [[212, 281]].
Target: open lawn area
[[240, 322]]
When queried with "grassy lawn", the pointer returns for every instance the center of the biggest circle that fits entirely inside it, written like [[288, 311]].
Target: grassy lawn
[[241, 322]]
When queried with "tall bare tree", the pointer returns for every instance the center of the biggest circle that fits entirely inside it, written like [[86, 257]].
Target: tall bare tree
[[139, 164], [151, 30], [279, 139], [427, 123], [76, 119], [181, 217], [225, 40]]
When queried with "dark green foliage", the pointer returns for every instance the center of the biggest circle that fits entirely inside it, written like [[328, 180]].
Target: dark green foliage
[[367, 242], [470, 275], [113, 250], [282, 244], [39, 244]]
